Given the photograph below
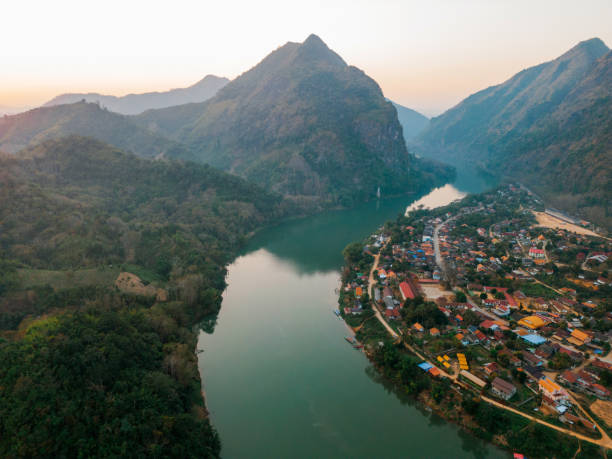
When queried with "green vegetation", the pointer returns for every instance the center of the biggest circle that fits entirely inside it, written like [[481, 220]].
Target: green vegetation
[[304, 123], [84, 119], [87, 370], [548, 126], [530, 438], [102, 383]]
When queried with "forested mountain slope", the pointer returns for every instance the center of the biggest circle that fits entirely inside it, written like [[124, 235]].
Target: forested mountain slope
[[89, 366], [548, 126], [304, 123], [84, 119]]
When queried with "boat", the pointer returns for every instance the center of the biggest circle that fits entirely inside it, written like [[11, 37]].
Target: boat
[[338, 314], [358, 346], [350, 339]]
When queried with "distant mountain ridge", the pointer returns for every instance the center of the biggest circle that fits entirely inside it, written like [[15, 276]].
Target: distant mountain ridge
[[133, 104], [549, 126], [301, 122], [84, 119], [413, 122]]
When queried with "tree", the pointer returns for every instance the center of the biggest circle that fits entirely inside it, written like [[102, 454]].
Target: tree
[[460, 297], [353, 252]]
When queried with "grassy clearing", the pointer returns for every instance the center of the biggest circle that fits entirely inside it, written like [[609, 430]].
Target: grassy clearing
[[147, 276], [59, 280]]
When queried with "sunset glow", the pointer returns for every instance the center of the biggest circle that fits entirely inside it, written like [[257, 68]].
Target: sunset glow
[[426, 55]]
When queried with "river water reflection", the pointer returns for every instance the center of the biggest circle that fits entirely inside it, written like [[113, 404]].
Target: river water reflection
[[281, 381]]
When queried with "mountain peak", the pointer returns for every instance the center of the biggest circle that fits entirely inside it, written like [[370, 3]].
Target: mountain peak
[[315, 49], [314, 40], [594, 48], [211, 79]]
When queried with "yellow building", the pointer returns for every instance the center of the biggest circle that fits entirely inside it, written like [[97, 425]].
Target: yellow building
[[580, 336], [532, 322]]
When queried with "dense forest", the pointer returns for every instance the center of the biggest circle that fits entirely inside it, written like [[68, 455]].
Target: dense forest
[[88, 367]]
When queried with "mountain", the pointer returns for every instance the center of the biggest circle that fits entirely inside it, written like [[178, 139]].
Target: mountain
[[304, 123], [84, 119], [413, 123], [89, 365], [548, 126], [132, 104]]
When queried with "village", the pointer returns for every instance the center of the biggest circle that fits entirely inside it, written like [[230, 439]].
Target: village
[[516, 312]]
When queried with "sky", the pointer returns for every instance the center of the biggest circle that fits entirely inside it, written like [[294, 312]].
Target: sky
[[427, 55]]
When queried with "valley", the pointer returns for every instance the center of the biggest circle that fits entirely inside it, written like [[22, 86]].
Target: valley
[[288, 263]]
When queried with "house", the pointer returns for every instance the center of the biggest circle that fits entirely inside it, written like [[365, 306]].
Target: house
[[502, 310], [407, 291], [600, 391], [418, 327], [503, 388], [537, 254], [513, 359], [568, 377], [377, 296], [545, 351], [481, 336], [472, 379], [488, 325], [551, 391], [491, 368], [434, 332], [584, 379], [358, 292], [534, 338], [575, 356], [531, 359], [387, 292], [601, 364], [389, 304], [511, 300], [540, 303], [580, 337], [392, 314]]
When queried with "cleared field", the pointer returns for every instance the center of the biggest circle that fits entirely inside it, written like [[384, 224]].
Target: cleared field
[[67, 279], [603, 410], [548, 221], [434, 291]]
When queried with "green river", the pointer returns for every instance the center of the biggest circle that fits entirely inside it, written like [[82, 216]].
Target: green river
[[278, 376]]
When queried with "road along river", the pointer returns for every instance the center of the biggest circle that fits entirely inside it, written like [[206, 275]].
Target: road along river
[[279, 378]]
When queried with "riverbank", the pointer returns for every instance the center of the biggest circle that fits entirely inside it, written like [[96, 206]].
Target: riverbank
[[400, 243], [277, 331]]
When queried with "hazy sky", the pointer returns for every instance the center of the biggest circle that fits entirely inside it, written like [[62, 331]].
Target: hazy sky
[[426, 54]]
